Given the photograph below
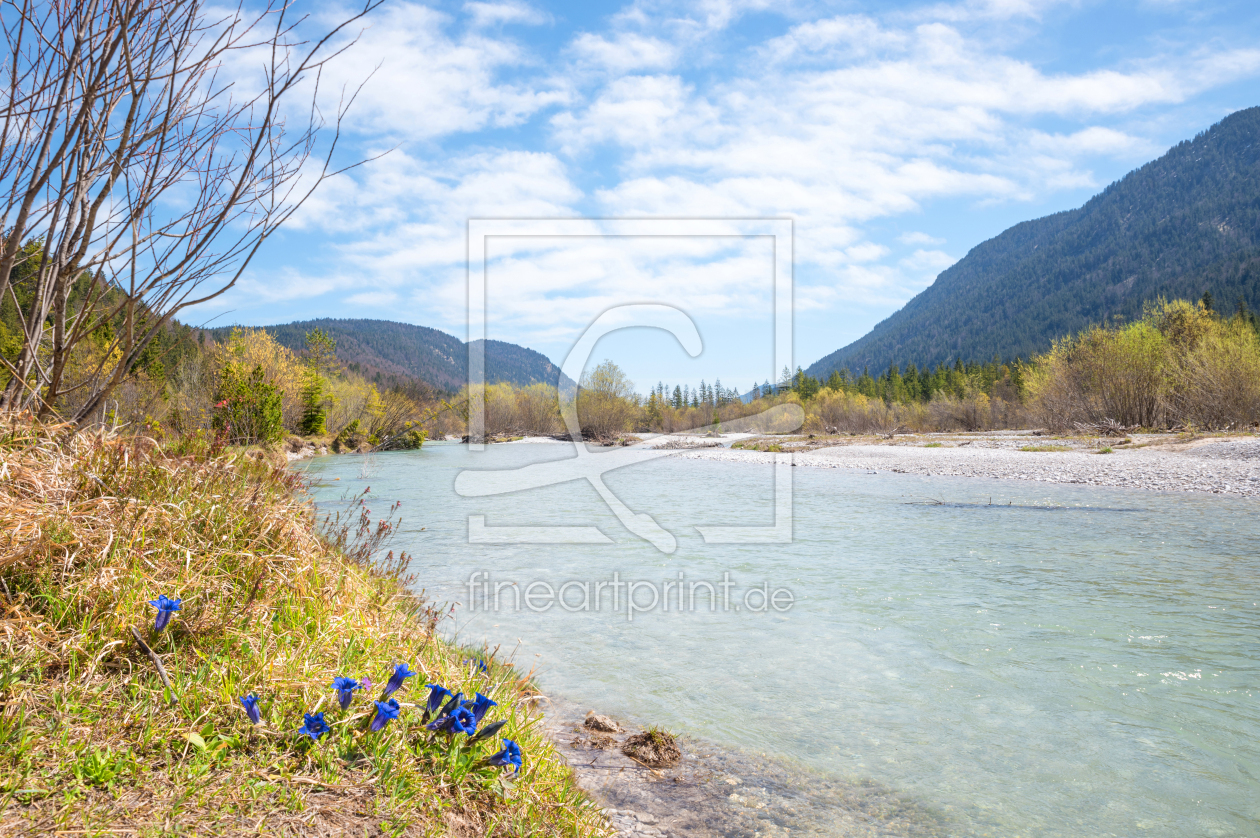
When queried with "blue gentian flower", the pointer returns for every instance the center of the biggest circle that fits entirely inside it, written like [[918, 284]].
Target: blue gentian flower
[[459, 720], [481, 665], [510, 755], [386, 711], [314, 726], [401, 672], [481, 706], [345, 688], [250, 703], [457, 700], [437, 693], [166, 607]]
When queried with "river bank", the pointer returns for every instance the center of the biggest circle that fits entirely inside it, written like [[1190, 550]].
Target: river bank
[[1228, 465], [718, 792], [173, 621]]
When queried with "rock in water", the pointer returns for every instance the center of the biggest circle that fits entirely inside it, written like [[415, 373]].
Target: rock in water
[[601, 723]]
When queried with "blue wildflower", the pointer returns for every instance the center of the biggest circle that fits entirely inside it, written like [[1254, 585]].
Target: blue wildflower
[[250, 703], [345, 688], [401, 672], [510, 755], [437, 694], [459, 720], [386, 712], [166, 607], [481, 706], [481, 665], [314, 726], [457, 700]]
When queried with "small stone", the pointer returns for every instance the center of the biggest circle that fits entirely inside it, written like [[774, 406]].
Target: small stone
[[645, 817], [601, 723]]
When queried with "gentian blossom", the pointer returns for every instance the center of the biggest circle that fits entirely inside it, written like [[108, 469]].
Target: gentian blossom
[[510, 755], [459, 720], [166, 607], [481, 706], [314, 726], [386, 711], [250, 703], [401, 672], [437, 694], [345, 688]]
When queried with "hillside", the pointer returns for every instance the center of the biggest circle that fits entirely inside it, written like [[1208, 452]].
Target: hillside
[[1182, 225], [404, 350]]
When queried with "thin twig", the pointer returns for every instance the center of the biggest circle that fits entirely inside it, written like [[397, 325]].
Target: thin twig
[[156, 662]]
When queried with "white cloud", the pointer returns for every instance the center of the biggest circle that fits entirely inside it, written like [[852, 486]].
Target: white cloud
[[627, 52], [929, 261], [427, 83], [491, 14], [918, 238]]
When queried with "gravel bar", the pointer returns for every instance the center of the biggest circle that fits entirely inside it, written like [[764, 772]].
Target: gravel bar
[[1227, 466]]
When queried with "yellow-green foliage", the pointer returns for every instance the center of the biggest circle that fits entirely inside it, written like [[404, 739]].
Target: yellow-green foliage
[[91, 741], [1181, 363]]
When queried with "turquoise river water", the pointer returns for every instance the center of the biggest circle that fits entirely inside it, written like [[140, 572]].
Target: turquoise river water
[[1020, 659]]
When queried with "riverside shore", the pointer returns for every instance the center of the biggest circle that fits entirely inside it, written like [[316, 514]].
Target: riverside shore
[[1228, 465], [719, 792]]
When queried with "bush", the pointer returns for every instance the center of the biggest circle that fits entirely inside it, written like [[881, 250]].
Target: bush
[[248, 409], [1216, 382], [1181, 363]]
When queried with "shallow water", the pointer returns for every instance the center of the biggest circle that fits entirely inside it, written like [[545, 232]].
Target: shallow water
[[1095, 671]]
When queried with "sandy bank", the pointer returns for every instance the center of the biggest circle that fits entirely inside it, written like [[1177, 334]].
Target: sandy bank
[[1226, 465]]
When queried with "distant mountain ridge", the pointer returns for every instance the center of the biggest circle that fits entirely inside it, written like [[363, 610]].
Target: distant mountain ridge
[[1181, 225], [409, 351]]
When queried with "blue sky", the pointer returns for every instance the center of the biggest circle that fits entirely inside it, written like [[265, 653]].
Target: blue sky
[[896, 135]]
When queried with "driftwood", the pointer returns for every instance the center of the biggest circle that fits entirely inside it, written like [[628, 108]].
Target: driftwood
[[1106, 427]]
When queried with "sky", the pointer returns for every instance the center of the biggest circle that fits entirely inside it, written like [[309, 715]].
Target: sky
[[895, 135]]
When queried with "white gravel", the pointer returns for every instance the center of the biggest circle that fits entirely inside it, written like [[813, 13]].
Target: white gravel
[[1229, 466]]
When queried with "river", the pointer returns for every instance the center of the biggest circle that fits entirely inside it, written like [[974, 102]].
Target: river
[[1018, 658]]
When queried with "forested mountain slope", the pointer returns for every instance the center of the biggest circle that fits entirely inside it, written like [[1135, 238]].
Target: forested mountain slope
[[1182, 225], [405, 350]]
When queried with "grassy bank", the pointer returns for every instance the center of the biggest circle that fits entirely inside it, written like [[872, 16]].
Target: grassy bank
[[91, 740]]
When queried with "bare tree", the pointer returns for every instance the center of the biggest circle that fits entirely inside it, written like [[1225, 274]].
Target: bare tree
[[147, 150]]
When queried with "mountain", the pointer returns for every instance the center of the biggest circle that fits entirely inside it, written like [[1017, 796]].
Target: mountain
[[407, 351], [1184, 224]]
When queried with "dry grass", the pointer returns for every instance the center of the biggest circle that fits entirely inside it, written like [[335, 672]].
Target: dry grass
[[91, 741]]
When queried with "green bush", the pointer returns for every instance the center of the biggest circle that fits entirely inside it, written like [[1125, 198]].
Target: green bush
[[247, 408]]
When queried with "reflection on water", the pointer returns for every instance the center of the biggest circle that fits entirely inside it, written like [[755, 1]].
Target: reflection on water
[[1016, 673]]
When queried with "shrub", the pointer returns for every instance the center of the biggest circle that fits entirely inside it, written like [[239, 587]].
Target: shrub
[[248, 409]]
